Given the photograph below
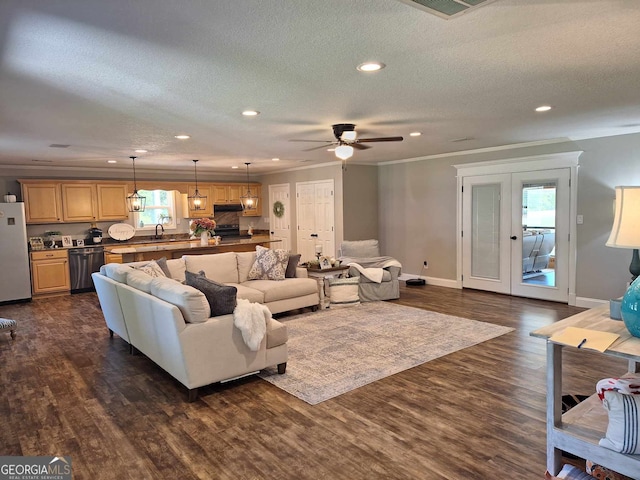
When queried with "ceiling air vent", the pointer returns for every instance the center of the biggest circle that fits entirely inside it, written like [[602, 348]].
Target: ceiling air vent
[[447, 8]]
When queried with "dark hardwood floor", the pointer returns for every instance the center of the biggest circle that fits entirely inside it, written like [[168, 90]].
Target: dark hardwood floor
[[479, 413]]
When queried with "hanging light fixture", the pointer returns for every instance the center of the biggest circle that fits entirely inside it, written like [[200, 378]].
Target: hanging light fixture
[[197, 201], [344, 152], [249, 201], [135, 201]]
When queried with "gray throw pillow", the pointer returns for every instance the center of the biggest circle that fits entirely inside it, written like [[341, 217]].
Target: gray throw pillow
[[162, 263], [221, 298], [294, 259]]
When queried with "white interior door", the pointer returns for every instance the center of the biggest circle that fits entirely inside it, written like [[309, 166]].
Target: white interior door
[[486, 228], [315, 218], [515, 236], [280, 227]]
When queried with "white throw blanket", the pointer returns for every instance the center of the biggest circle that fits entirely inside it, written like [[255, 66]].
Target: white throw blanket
[[371, 268], [251, 319]]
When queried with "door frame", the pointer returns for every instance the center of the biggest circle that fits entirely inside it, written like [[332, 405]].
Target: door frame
[[517, 165]]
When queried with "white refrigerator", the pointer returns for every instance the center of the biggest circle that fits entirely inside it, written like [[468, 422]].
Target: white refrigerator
[[15, 279]]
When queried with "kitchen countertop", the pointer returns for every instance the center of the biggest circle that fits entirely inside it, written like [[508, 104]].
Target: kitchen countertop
[[185, 245]]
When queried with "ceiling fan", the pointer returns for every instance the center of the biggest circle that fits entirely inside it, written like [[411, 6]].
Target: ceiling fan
[[347, 139]]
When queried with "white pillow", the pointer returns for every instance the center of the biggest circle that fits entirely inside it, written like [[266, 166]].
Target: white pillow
[[116, 271], [191, 302], [624, 422], [138, 279], [152, 269]]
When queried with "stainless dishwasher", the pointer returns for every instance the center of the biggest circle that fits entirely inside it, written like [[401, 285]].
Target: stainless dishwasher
[[82, 263]]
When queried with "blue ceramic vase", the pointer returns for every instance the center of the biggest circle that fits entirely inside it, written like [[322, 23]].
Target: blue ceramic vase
[[630, 308]]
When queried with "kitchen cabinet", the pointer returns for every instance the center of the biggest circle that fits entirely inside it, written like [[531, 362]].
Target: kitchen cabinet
[[226, 193], [208, 209], [579, 430], [78, 202], [112, 201], [112, 257], [42, 202], [50, 272], [74, 201]]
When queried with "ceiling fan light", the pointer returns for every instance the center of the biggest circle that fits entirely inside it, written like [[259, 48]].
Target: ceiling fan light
[[349, 136], [344, 152]]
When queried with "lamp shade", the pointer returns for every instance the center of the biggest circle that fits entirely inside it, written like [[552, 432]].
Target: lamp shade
[[625, 232], [344, 152]]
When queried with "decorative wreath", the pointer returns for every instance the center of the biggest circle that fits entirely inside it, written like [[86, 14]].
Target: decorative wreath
[[278, 209]]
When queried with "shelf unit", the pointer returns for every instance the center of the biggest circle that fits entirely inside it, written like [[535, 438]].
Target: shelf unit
[[580, 429]]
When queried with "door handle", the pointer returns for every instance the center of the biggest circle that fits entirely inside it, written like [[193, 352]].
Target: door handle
[[513, 237]]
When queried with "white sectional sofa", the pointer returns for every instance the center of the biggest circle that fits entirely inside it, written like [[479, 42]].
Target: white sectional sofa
[[170, 322]]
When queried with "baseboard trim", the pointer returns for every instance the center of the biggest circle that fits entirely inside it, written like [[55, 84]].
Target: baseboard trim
[[586, 302], [438, 282]]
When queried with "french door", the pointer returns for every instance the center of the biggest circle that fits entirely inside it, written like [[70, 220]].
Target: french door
[[515, 236]]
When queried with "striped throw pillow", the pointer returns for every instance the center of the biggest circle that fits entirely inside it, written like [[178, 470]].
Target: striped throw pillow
[[343, 292], [624, 422]]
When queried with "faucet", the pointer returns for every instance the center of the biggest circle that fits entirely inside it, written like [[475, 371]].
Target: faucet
[[161, 231]]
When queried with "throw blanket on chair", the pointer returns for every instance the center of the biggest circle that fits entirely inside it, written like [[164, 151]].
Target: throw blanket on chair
[[371, 268], [251, 320]]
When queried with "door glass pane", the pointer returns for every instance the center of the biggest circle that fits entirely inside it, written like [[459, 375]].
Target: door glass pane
[[485, 231], [539, 233]]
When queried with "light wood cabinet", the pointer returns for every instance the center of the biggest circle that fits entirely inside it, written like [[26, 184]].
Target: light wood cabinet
[[50, 272], [42, 202], [112, 201], [78, 202], [112, 257], [208, 209], [234, 192], [74, 201], [220, 194]]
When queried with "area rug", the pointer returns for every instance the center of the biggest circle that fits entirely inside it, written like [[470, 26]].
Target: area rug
[[337, 350]]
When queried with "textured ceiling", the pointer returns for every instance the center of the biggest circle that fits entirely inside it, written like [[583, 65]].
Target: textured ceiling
[[107, 77]]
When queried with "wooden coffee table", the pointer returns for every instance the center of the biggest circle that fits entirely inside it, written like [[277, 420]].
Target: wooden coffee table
[[320, 275]]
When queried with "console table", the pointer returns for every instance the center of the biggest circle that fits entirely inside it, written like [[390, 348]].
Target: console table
[[579, 430]]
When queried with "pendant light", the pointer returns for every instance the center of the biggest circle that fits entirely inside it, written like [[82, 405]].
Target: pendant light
[[135, 202], [249, 201], [197, 201]]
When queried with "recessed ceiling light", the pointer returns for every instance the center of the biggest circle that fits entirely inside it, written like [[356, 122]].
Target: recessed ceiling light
[[112, 161], [275, 159], [140, 151], [234, 167], [182, 137], [250, 113], [543, 108], [371, 66], [415, 134]]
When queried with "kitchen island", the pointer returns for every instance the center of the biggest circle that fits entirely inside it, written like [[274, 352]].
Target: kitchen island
[[176, 249]]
